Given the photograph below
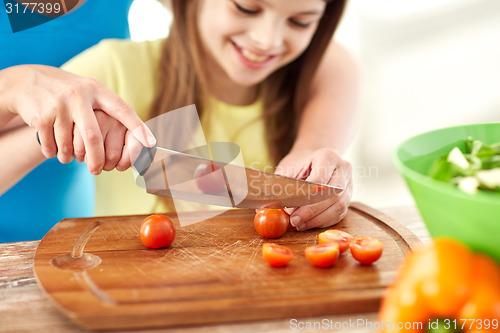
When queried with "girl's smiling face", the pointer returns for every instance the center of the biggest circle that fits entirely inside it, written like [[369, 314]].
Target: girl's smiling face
[[250, 39]]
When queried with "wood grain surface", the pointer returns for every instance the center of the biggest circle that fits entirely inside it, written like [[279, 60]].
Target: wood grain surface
[[101, 276]]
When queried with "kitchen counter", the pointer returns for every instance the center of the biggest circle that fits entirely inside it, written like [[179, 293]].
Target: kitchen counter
[[25, 308]]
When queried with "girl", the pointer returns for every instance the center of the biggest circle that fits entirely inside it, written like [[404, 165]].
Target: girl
[[264, 74]]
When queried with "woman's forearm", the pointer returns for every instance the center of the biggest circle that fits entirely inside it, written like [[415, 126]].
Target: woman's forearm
[[7, 76], [19, 154]]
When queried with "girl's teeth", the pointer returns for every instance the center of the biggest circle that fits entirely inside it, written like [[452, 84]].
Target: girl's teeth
[[252, 56]]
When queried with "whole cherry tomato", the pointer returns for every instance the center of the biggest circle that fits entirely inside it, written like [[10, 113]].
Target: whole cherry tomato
[[271, 223], [157, 231], [323, 255], [342, 238], [209, 179], [366, 249], [276, 255]]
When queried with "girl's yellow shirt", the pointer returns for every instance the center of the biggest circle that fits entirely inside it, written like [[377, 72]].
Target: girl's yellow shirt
[[129, 69]]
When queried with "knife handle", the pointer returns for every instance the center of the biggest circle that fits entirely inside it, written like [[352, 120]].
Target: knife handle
[[144, 160]]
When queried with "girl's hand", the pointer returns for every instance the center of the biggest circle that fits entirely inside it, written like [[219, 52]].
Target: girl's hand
[[58, 104], [324, 166], [113, 134]]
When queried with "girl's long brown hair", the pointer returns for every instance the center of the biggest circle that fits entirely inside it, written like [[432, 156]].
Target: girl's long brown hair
[[182, 78]]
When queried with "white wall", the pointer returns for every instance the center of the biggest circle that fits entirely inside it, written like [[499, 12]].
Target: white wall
[[148, 20]]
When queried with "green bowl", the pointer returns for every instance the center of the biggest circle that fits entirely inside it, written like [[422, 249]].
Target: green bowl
[[473, 219]]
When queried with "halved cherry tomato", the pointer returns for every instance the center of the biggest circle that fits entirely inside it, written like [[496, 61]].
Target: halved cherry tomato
[[324, 255], [209, 179], [157, 231], [271, 223], [366, 249], [340, 237], [276, 255]]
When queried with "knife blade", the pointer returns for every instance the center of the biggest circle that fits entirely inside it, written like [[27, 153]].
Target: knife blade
[[190, 177]]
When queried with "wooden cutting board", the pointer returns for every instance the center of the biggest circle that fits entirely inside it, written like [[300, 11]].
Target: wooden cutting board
[[103, 277]]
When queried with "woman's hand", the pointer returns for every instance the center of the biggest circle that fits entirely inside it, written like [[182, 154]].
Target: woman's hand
[[58, 104], [17, 140], [324, 166], [120, 146]]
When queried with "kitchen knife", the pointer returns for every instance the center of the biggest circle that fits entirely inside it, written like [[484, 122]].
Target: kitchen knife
[[190, 177]]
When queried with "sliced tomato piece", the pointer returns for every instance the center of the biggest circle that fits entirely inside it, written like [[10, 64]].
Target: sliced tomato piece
[[276, 255], [323, 255], [209, 179], [366, 249], [342, 238]]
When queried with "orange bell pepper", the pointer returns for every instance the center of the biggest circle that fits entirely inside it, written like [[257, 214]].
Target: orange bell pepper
[[443, 280]]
